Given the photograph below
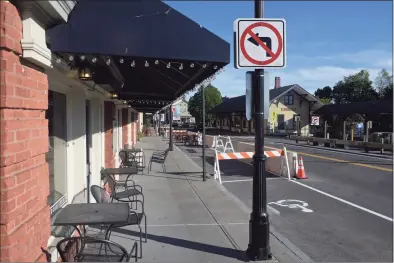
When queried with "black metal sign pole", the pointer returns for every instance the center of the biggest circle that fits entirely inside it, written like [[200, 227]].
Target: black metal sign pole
[[203, 133], [259, 248], [171, 146]]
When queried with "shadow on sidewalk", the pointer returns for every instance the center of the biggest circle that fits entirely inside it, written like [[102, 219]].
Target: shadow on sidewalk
[[222, 251], [187, 177], [191, 174]]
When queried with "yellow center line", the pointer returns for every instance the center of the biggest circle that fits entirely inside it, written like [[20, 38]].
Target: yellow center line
[[338, 160]]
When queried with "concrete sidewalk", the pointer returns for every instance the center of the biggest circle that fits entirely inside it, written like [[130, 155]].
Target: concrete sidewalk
[[190, 220]]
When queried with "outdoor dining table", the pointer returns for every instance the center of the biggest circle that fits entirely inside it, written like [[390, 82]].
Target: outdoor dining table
[[129, 171], [134, 152], [92, 214]]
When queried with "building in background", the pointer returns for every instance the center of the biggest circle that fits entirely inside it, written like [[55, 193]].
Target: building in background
[[287, 104], [180, 112]]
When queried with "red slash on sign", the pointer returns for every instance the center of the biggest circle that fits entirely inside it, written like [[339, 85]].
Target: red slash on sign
[[274, 55]]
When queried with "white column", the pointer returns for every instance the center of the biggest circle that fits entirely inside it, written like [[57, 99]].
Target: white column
[[129, 140]]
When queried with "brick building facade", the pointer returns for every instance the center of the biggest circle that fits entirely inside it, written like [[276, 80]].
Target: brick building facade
[[41, 171]]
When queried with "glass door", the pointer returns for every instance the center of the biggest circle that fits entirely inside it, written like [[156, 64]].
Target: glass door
[[56, 156], [281, 121], [88, 150]]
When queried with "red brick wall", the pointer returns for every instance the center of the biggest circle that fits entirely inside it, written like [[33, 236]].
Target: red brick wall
[[125, 115], [24, 175], [109, 115], [133, 131]]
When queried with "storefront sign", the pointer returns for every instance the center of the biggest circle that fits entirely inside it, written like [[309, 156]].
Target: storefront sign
[[288, 109]]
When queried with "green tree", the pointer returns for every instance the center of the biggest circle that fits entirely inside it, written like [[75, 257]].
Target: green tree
[[384, 85], [354, 88], [325, 100], [325, 93], [213, 97]]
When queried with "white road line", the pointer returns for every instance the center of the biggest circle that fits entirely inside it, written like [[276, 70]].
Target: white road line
[[344, 201]]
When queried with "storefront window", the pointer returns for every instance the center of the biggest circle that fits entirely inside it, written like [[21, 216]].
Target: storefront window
[[56, 156]]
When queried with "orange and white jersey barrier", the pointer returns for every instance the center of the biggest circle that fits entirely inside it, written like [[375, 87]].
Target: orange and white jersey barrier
[[246, 155], [220, 156]]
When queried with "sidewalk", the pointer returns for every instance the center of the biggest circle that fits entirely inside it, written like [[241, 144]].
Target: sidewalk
[[190, 220]]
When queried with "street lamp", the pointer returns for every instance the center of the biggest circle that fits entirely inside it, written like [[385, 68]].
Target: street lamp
[[259, 248]]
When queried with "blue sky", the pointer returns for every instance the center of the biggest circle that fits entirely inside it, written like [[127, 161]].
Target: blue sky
[[326, 40]]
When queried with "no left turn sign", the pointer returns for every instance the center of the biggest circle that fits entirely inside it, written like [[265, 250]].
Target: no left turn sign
[[260, 43]]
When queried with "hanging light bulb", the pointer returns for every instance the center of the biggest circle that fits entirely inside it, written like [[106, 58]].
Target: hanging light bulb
[[169, 65], [121, 61], [156, 62], [132, 64], [192, 65], [215, 67], [181, 67], [58, 60], [108, 61], [71, 58], [82, 57], [94, 60], [204, 65], [146, 64]]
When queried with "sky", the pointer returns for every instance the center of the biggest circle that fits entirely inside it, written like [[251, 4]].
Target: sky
[[326, 40]]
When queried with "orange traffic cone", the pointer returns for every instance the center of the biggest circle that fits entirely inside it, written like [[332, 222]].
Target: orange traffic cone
[[301, 170]]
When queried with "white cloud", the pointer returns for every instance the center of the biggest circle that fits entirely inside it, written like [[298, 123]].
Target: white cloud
[[372, 57], [232, 82], [318, 77]]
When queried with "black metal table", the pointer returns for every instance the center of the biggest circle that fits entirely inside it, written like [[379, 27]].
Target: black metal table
[[92, 214]]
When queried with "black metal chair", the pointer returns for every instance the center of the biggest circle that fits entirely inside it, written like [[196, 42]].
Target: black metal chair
[[158, 157], [132, 158], [135, 218], [88, 249], [127, 159], [128, 194]]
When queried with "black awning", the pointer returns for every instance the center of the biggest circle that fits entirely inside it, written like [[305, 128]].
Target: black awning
[[146, 47], [148, 106], [149, 29]]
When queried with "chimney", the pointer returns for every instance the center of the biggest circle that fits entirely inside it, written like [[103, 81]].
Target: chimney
[[277, 82]]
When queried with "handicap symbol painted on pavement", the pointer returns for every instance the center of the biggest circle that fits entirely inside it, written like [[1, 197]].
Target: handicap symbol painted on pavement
[[291, 203]]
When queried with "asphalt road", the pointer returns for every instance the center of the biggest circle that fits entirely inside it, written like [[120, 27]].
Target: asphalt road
[[347, 199]]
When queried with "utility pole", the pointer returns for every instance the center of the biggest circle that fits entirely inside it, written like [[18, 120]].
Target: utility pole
[[203, 133], [259, 248]]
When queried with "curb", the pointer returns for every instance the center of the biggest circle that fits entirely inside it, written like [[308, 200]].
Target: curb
[[295, 250]]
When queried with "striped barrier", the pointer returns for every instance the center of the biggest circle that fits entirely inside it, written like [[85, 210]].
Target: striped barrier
[[246, 155], [280, 167]]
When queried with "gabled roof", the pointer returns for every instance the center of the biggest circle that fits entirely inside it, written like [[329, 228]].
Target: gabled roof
[[237, 104], [372, 109]]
